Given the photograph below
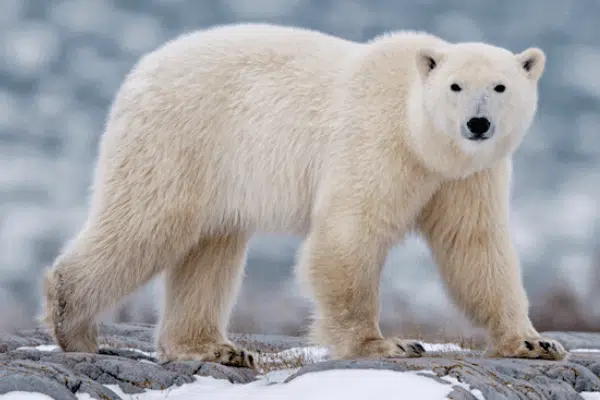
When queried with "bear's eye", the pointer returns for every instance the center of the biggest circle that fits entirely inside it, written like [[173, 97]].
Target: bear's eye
[[500, 88], [455, 88]]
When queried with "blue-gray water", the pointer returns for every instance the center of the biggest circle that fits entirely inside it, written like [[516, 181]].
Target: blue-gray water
[[62, 61]]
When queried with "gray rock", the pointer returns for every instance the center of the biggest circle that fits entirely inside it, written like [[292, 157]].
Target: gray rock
[[31, 337], [51, 379], [460, 393], [233, 375], [13, 379], [136, 336], [268, 343], [576, 340], [496, 378], [62, 375]]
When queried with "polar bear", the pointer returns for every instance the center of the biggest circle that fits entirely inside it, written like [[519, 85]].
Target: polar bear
[[233, 130]]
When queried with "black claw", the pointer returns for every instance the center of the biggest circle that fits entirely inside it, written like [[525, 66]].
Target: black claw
[[553, 346], [418, 348], [545, 345], [250, 359], [401, 347], [529, 345]]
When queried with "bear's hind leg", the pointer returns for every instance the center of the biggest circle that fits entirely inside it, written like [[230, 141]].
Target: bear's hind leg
[[91, 275], [199, 295], [72, 330], [109, 259]]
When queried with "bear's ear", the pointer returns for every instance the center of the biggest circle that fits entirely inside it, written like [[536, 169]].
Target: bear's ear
[[427, 60], [532, 61]]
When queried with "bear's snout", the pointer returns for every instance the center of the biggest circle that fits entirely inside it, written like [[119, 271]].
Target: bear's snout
[[478, 128]]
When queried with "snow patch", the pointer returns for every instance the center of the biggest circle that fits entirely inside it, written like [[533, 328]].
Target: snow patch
[[41, 347], [52, 347], [357, 383], [298, 356], [323, 385], [443, 347], [590, 395], [146, 353], [455, 382], [20, 395], [307, 355], [584, 351]]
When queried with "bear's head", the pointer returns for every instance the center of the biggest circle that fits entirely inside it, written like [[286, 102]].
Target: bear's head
[[479, 97]]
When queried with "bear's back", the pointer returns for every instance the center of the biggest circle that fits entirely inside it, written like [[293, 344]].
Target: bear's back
[[244, 113], [243, 106], [247, 79]]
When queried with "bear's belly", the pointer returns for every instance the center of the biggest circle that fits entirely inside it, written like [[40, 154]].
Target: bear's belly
[[271, 205]]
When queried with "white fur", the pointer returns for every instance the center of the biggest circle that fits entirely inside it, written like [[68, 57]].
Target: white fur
[[234, 130]]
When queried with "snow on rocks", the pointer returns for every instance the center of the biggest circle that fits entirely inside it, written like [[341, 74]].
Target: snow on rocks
[[31, 367]]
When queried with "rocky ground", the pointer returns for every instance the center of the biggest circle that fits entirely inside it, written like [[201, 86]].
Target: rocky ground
[[126, 359]]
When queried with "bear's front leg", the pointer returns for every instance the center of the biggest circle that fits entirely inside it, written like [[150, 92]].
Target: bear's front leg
[[466, 226], [340, 262]]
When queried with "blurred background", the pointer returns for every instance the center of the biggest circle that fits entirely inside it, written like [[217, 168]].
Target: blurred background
[[62, 61]]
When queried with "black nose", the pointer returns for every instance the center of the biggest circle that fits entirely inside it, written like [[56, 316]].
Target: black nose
[[478, 125]]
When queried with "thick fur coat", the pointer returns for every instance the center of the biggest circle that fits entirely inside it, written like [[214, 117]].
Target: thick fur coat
[[234, 130]]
